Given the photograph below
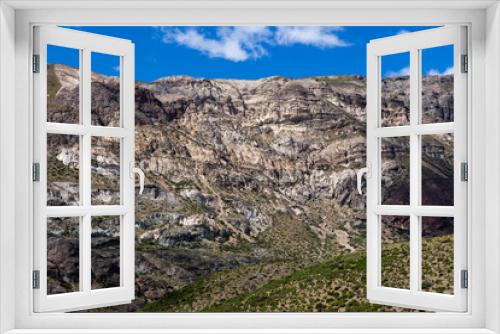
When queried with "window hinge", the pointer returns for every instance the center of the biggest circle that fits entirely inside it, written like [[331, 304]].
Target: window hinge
[[464, 171], [36, 63], [465, 64], [464, 279], [36, 279], [36, 172]]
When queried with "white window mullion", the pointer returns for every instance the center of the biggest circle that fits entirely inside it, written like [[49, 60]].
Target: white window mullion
[[85, 253], [372, 185], [124, 175], [86, 120], [78, 129], [66, 129], [40, 157], [81, 109], [127, 221], [415, 242], [460, 155], [85, 174], [103, 131], [406, 130], [421, 210], [57, 128], [415, 235]]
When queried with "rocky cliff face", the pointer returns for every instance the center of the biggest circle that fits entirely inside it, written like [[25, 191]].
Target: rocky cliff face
[[243, 172]]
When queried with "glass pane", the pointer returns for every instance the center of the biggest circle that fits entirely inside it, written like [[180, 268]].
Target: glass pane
[[63, 255], [437, 169], [437, 84], [63, 84], [105, 252], [63, 170], [105, 171], [437, 254], [105, 83], [395, 90], [395, 170], [395, 233]]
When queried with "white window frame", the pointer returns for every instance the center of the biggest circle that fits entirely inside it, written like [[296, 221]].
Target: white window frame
[[85, 44], [16, 20]]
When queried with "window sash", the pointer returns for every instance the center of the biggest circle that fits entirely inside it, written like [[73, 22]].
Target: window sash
[[414, 297], [85, 297]]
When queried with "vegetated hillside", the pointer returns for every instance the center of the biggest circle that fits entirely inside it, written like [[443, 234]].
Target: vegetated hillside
[[249, 180], [337, 285]]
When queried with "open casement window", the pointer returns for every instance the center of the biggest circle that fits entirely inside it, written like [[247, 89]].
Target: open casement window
[[416, 181], [84, 203]]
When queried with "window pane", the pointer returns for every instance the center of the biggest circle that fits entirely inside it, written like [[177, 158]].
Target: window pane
[[63, 255], [105, 171], [437, 84], [395, 233], [105, 104], [105, 252], [437, 169], [395, 170], [395, 89], [63, 84], [437, 254], [63, 169]]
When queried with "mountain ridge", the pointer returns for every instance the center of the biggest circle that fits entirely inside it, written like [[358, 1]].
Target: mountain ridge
[[238, 175]]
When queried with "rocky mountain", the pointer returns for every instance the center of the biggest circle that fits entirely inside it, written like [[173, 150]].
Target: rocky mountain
[[250, 177]]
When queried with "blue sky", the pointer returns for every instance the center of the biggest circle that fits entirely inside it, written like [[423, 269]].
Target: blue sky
[[253, 52]]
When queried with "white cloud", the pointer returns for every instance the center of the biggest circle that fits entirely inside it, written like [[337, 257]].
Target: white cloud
[[322, 37], [243, 43], [403, 31], [116, 68], [402, 72], [447, 71], [231, 43]]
